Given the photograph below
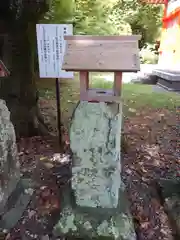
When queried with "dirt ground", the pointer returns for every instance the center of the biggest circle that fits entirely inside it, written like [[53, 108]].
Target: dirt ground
[[150, 151]]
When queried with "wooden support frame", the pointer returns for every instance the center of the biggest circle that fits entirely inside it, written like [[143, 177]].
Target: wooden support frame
[[115, 54], [100, 95]]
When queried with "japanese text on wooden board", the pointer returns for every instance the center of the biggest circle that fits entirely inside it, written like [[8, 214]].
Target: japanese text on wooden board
[[51, 48]]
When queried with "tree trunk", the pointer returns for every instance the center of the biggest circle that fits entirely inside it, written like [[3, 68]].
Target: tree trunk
[[19, 90]]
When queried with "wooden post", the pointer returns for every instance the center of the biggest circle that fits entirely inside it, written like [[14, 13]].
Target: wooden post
[[84, 81], [117, 83]]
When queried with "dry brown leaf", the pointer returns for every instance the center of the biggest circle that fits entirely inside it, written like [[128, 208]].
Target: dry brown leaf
[[31, 213], [145, 225]]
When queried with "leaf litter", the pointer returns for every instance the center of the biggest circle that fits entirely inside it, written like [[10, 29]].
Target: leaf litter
[[152, 144], [152, 139]]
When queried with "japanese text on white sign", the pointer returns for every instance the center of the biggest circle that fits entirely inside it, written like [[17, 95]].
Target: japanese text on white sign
[[51, 48]]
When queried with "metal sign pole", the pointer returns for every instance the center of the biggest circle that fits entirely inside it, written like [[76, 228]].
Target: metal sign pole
[[51, 46], [58, 102]]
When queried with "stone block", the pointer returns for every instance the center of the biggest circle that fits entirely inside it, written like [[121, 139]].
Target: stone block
[[95, 136], [95, 223], [9, 164], [95, 205], [13, 198]]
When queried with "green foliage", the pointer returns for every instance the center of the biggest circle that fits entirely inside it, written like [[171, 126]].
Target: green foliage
[[144, 19], [108, 17], [148, 55], [98, 17], [60, 11]]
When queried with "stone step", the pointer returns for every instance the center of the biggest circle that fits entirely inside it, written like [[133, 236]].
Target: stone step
[[170, 75], [168, 79], [168, 85], [16, 204]]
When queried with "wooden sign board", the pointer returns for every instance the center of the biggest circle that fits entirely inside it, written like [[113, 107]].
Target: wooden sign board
[[4, 72], [102, 53], [153, 1]]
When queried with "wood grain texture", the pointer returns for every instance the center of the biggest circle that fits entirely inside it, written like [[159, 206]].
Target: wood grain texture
[[117, 83], [99, 95], [90, 37], [84, 81], [100, 53]]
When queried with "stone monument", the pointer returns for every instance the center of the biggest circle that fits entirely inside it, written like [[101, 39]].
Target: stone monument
[[13, 198], [95, 205]]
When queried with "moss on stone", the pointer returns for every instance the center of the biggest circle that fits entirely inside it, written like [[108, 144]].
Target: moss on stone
[[97, 207], [95, 135], [90, 222]]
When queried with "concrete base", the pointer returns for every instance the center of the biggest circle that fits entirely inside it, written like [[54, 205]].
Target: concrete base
[[94, 223], [169, 86], [168, 79]]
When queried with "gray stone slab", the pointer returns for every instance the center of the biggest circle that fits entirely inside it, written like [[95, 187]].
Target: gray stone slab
[[171, 86], [169, 75], [170, 195], [16, 205]]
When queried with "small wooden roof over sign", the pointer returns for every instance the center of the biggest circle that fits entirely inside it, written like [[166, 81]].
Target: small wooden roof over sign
[[4, 72], [102, 53]]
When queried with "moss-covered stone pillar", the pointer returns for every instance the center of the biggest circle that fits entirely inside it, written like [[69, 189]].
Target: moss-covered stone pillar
[[96, 206]]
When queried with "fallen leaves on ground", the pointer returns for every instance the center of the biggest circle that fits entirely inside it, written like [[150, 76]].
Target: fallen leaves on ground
[[43, 211], [152, 139], [151, 142]]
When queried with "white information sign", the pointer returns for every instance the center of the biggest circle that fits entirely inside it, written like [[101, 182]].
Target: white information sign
[[51, 47]]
